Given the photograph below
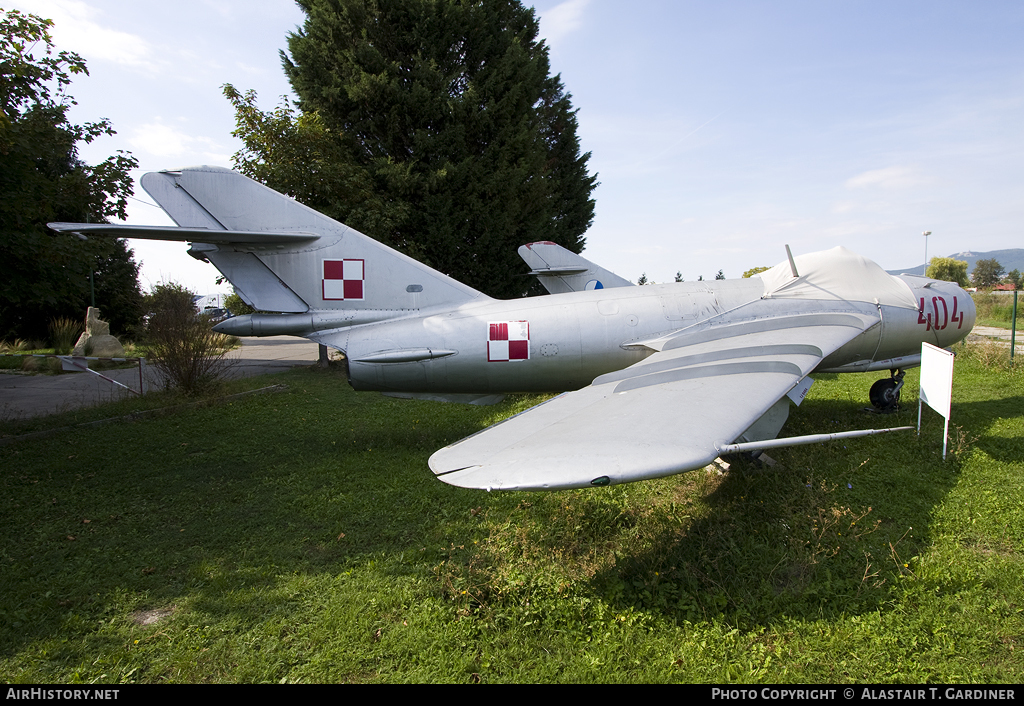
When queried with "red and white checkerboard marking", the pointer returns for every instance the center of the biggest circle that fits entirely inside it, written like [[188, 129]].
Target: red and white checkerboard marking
[[508, 340], [344, 280]]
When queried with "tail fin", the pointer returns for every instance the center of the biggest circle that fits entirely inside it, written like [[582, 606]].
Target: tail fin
[[561, 270], [285, 257]]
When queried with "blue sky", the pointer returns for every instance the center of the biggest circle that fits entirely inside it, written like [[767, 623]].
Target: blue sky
[[719, 131]]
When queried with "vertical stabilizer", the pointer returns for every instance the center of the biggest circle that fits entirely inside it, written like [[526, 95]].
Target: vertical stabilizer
[[336, 269]]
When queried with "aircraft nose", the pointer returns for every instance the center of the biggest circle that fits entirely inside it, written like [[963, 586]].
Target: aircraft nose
[[969, 311], [960, 321]]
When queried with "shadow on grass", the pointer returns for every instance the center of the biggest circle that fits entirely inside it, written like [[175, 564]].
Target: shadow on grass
[[829, 530], [822, 534], [981, 415]]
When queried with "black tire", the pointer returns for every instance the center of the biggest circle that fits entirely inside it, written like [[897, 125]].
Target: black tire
[[884, 395]]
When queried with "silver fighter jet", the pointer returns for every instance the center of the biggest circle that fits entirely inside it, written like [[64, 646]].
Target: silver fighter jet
[[663, 378]]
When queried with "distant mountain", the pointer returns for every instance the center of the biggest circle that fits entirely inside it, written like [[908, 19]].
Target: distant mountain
[[1011, 259]]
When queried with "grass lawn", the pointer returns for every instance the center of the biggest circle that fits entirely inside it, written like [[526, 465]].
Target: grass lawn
[[300, 537], [997, 309]]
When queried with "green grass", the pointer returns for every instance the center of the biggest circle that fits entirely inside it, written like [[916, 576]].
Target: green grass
[[997, 309], [300, 536]]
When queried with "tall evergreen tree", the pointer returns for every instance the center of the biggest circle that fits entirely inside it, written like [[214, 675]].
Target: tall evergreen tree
[[46, 275], [449, 108]]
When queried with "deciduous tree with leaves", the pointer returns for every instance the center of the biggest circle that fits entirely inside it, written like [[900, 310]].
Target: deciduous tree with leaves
[[948, 269], [987, 273], [46, 275], [296, 154]]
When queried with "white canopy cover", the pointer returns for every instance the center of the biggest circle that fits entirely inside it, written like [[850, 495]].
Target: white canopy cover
[[837, 274]]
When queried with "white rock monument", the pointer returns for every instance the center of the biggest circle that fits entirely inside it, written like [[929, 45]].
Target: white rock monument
[[97, 341]]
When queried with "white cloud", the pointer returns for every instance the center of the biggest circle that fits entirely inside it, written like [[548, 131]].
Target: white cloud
[[889, 178], [562, 19], [250, 69], [161, 140], [80, 28]]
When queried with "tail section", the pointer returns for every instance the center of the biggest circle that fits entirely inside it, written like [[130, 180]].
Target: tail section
[[561, 270], [284, 257]]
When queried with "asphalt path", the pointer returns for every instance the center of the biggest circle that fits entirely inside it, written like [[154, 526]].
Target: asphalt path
[[999, 335], [23, 396]]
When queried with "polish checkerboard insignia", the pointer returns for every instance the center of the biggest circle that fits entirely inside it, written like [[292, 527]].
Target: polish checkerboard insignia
[[344, 280], [508, 340]]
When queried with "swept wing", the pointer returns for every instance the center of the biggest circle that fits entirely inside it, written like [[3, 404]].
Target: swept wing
[[670, 413]]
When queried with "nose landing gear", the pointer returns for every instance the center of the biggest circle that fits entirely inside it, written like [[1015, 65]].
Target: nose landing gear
[[885, 394]]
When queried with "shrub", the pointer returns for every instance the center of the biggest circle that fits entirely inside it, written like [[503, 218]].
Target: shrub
[[183, 346], [990, 354], [234, 303], [998, 307], [19, 345], [63, 333]]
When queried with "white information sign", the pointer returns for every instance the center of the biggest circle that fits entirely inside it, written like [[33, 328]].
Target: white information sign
[[936, 386]]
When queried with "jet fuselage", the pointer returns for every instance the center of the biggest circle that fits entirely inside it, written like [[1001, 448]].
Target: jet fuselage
[[562, 342]]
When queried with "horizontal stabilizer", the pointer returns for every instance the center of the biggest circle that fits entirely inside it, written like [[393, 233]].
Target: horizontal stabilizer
[[191, 235], [546, 271], [561, 270]]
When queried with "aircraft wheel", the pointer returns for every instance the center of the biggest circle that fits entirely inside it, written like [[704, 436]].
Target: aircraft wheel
[[884, 395]]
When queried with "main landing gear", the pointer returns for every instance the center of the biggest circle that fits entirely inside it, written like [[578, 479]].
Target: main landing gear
[[885, 394]]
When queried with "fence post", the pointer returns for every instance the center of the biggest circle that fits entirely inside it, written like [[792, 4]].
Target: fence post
[[1013, 327]]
